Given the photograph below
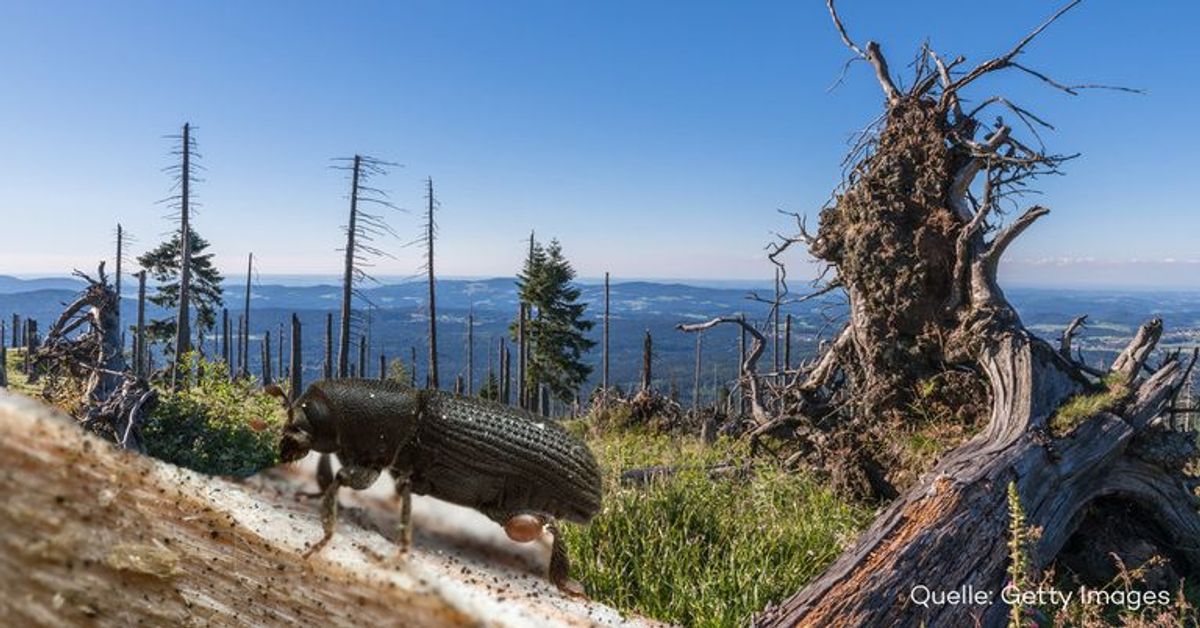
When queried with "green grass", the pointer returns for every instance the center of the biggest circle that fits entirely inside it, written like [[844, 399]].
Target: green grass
[[17, 382], [698, 551], [1082, 407]]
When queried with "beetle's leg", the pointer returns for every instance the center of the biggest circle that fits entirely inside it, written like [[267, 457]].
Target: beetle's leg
[[329, 505], [404, 490], [324, 477], [560, 565], [324, 472], [357, 478]]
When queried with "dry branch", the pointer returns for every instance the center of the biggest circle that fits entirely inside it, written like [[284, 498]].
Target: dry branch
[[749, 365]]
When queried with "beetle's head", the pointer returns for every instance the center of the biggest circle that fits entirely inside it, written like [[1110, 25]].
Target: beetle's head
[[309, 426]]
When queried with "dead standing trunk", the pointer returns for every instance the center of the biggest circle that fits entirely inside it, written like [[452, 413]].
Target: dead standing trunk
[[3, 356], [430, 229], [343, 366], [604, 381], [907, 240], [244, 323], [139, 336], [183, 330], [328, 368], [296, 370], [647, 361]]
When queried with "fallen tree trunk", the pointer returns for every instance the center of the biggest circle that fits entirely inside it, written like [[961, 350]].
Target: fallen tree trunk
[[92, 535], [952, 530]]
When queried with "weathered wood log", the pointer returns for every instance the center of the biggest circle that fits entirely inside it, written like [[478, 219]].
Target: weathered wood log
[[95, 536], [950, 531]]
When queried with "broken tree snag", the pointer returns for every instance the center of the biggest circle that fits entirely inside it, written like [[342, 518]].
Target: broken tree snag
[[1130, 361], [1064, 344], [84, 345], [915, 239], [749, 366]]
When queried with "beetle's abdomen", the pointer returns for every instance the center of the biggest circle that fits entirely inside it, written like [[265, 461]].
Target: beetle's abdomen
[[500, 460]]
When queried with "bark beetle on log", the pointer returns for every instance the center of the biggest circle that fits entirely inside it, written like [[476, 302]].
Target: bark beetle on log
[[92, 535]]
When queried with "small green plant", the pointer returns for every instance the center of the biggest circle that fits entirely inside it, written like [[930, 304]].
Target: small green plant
[[1020, 539], [702, 550], [216, 426], [1081, 407]]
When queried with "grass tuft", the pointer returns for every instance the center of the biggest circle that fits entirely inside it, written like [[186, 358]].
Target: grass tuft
[[699, 551], [1082, 407]]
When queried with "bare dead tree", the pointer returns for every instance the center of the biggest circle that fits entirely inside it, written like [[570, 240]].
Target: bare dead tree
[[604, 368], [787, 343], [3, 356], [328, 370], [296, 371], [362, 356], [696, 376], [647, 361], [932, 171], [471, 351], [244, 322], [265, 360], [183, 202], [30, 336], [121, 237], [139, 335], [281, 365], [241, 352], [522, 356], [362, 229], [505, 374], [430, 229], [226, 346]]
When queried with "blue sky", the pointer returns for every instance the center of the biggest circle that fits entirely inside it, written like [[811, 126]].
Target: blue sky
[[655, 139]]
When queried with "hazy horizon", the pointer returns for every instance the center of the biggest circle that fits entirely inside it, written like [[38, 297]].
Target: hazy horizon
[[1087, 280]]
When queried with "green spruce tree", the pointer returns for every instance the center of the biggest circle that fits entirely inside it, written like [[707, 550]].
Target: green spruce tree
[[557, 327], [490, 389], [205, 289]]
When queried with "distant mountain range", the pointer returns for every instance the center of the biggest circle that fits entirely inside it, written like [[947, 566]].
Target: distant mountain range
[[398, 320]]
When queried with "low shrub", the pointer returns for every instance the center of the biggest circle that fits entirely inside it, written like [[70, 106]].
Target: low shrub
[[215, 426]]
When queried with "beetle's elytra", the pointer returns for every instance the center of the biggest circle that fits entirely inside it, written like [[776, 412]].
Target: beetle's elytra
[[522, 471]]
